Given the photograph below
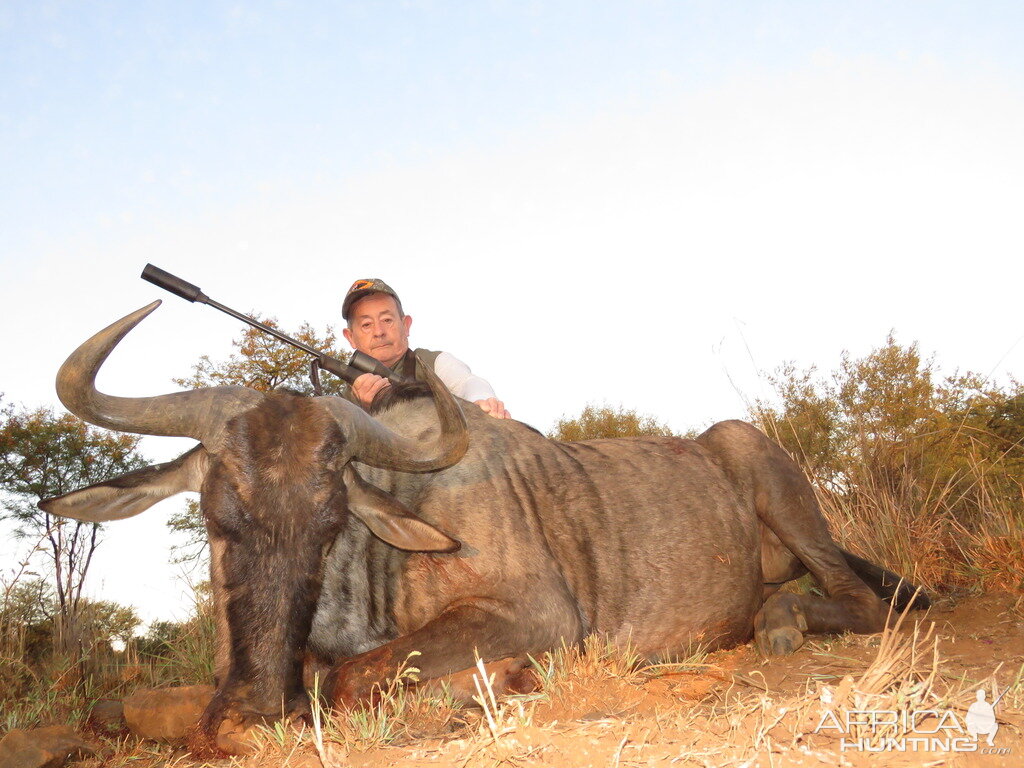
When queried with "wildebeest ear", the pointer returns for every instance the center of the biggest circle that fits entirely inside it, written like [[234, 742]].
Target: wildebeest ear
[[391, 521], [133, 492]]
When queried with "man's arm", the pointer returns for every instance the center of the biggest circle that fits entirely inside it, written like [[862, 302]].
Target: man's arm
[[462, 382]]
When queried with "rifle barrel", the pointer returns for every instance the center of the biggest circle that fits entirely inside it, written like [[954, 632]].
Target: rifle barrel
[[358, 364], [262, 326]]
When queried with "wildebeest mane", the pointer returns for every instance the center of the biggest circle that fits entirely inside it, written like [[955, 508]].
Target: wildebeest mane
[[399, 393]]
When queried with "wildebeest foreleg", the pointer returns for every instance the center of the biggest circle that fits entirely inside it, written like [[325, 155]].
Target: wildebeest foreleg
[[450, 643]]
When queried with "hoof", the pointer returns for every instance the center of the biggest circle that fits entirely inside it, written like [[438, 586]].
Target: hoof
[[780, 641], [522, 680], [509, 676], [228, 728], [235, 738], [779, 625]]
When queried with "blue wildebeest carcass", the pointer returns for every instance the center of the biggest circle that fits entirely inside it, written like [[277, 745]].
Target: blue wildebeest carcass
[[361, 537]]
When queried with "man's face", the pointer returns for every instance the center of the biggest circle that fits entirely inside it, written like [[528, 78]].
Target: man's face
[[376, 329]]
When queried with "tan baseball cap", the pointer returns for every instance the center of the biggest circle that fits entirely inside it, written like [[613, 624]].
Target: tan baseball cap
[[362, 288]]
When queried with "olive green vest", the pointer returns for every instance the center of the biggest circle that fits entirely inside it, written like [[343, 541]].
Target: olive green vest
[[409, 367]]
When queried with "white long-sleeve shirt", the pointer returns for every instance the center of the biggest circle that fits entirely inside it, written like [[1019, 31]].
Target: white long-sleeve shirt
[[460, 380]]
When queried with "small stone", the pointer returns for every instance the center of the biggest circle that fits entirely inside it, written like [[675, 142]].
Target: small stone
[[166, 714], [49, 747]]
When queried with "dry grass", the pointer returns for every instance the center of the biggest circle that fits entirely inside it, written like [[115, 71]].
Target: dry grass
[[596, 659], [920, 529], [190, 659]]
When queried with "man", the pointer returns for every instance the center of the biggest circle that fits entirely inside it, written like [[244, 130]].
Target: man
[[378, 327]]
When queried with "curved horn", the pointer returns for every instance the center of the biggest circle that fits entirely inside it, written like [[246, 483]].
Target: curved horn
[[199, 414], [374, 444]]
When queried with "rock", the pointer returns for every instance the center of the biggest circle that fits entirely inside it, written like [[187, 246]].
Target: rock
[[42, 747], [165, 714], [107, 716]]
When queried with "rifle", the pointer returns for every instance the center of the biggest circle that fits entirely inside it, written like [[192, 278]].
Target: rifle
[[358, 364]]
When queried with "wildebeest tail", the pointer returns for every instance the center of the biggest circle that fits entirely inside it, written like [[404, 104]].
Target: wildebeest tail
[[888, 585]]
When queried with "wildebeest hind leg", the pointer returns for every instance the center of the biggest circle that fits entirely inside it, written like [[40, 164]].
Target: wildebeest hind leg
[[450, 643], [785, 503]]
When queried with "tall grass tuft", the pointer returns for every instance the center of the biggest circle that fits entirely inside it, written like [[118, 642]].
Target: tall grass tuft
[[924, 531]]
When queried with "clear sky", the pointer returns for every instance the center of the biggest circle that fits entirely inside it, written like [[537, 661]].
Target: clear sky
[[651, 204]]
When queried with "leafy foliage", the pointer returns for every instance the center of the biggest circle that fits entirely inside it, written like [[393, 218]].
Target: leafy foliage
[[44, 455], [264, 363], [596, 422], [160, 638], [189, 523]]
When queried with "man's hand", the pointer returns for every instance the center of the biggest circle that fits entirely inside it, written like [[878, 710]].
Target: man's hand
[[492, 406], [367, 386]]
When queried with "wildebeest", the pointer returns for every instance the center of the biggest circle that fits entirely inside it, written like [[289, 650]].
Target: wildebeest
[[361, 538]]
